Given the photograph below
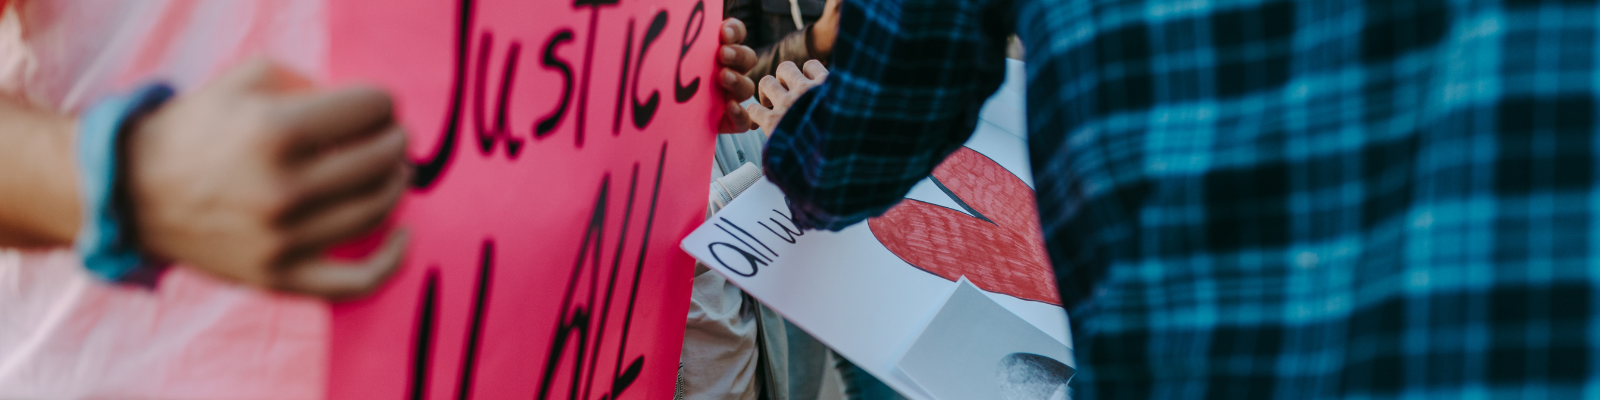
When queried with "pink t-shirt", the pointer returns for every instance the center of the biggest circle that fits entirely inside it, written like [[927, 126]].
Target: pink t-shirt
[[63, 334]]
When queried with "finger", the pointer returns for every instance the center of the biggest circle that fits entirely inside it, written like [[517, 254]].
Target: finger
[[339, 281], [737, 86], [740, 58], [307, 202], [816, 71], [790, 76], [763, 117], [772, 92], [727, 126], [735, 120], [733, 31], [329, 118], [350, 218], [351, 165]]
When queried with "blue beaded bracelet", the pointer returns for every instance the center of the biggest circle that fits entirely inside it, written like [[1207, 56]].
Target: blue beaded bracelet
[[102, 243]]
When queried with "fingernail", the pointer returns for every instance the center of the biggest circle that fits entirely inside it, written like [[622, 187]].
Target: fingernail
[[727, 32], [727, 54], [728, 78]]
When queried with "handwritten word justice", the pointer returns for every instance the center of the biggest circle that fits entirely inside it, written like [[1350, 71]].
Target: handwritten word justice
[[490, 134]]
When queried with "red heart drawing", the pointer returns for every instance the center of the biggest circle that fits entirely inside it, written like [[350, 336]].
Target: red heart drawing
[[999, 247]]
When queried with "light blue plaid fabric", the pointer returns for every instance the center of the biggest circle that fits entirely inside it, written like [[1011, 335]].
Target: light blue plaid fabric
[[1260, 199]]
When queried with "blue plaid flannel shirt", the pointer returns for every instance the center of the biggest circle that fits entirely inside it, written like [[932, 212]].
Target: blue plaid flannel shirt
[[1256, 198]]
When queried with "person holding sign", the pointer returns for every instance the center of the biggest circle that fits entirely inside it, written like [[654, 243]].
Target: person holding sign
[[134, 137], [249, 178], [1253, 199]]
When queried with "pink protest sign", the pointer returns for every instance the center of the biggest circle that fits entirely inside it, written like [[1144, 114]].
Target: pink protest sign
[[563, 149]]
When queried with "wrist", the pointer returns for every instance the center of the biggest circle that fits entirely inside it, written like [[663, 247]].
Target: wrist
[[133, 185], [106, 243]]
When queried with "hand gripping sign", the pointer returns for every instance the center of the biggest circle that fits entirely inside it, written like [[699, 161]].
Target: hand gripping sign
[[562, 149]]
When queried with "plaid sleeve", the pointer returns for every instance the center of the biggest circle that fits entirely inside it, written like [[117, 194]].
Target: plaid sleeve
[[907, 81]]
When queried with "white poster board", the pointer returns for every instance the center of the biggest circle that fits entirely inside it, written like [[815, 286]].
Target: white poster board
[[870, 302], [975, 349]]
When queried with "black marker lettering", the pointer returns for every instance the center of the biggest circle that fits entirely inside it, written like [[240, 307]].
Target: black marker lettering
[[787, 235], [791, 233], [431, 169], [588, 63], [616, 262], [480, 306], [576, 318], [741, 240], [798, 231], [550, 121], [507, 77], [643, 113], [752, 237], [622, 379], [622, 82], [489, 135], [786, 217], [684, 93], [486, 138], [422, 336], [428, 172], [750, 259], [576, 323]]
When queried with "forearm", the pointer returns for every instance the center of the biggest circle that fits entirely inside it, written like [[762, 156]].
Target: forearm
[[38, 178], [853, 147], [838, 171]]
